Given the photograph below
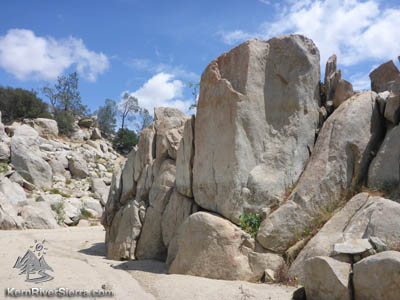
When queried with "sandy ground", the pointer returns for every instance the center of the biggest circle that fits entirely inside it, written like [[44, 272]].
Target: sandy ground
[[76, 256]]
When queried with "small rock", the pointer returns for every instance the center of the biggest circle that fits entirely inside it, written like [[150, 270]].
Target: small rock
[[354, 246]]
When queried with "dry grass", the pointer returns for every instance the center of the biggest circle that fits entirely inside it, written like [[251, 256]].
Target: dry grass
[[282, 276]]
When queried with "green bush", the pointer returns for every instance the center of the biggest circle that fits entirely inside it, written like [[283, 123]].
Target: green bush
[[58, 208], [250, 223], [85, 213], [125, 140], [65, 121], [19, 104]]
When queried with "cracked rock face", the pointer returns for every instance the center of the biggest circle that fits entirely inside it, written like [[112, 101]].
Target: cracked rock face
[[362, 217], [255, 125], [339, 162]]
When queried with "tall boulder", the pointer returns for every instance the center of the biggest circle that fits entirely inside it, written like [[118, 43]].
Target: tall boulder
[[339, 163], [337, 90], [255, 125], [184, 160], [150, 244]]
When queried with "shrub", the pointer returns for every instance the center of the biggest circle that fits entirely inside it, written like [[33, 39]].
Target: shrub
[[250, 223], [19, 104], [65, 121], [58, 208], [56, 191], [85, 213], [3, 168], [125, 140]]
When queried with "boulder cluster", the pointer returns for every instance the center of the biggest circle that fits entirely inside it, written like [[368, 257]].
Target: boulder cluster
[[47, 180], [269, 140]]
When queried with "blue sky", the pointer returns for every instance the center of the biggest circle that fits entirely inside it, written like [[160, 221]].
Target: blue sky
[[153, 48]]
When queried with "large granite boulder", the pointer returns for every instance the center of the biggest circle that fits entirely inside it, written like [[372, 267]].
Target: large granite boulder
[[213, 247], [256, 121], [26, 157], [339, 163], [377, 277]]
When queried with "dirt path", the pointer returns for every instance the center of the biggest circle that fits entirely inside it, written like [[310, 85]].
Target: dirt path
[[76, 256]]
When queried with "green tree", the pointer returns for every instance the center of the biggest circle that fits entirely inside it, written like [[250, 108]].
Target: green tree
[[20, 103], [195, 93], [65, 95], [144, 119], [128, 106], [125, 140], [66, 103], [107, 117]]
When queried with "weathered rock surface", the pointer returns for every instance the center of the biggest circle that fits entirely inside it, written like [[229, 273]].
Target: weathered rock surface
[[340, 161], [38, 216], [337, 89], [377, 277], [364, 216], [5, 152], [178, 209], [168, 123], [46, 128], [78, 166], [26, 158], [213, 247], [184, 160], [147, 151], [383, 76], [8, 215], [150, 244], [255, 124], [124, 232], [384, 171], [210, 246], [128, 183], [100, 190], [327, 278]]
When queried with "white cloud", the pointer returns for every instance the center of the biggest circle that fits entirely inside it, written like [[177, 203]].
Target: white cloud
[[162, 90], [354, 30], [28, 56]]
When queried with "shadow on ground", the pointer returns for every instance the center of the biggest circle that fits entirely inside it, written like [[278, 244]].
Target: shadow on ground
[[150, 266], [97, 249]]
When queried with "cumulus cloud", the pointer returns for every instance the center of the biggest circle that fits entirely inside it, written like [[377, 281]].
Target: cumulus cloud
[[28, 56], [355, 30], [161, 90]]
